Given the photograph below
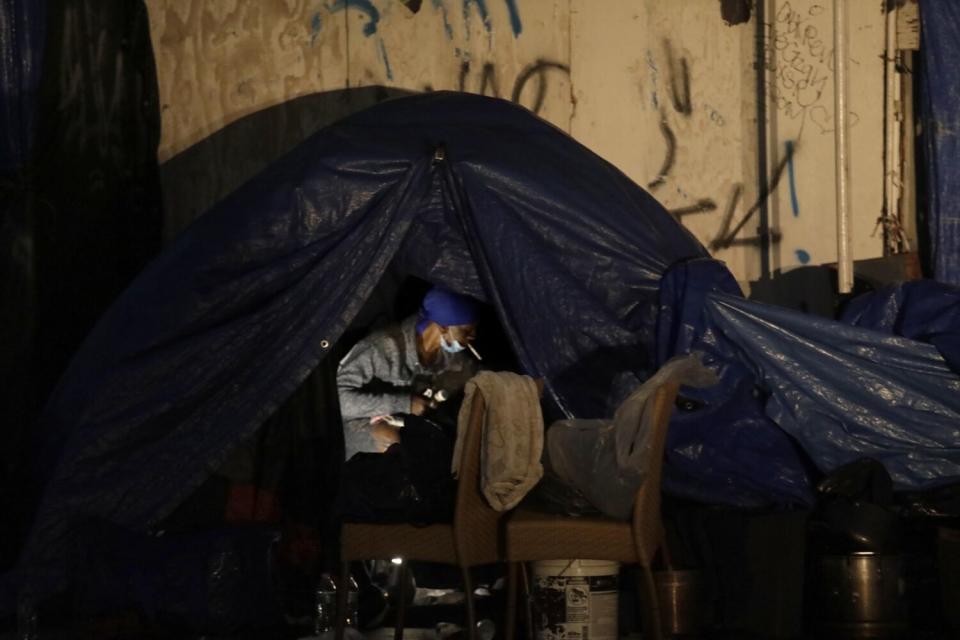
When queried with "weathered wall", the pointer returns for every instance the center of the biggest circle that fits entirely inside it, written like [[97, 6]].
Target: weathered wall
[[219, 60], [664, 90]]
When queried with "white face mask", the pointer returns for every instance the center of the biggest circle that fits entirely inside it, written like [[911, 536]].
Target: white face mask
[[451, 347]]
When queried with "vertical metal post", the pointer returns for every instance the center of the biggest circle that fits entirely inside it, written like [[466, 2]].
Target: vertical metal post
[[844, 256], [763, 230], [892, 236]]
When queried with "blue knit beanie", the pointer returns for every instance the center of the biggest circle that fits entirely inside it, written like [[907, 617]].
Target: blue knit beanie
[[446, 308]]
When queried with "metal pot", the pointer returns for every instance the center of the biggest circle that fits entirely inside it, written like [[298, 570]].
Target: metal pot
[[948, 565], [683, 606], [859, 595]]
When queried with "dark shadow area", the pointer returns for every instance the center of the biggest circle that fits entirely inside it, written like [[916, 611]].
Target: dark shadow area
[[814, 289], [198, 177], [807, 289], [922, 170], [80, 219]]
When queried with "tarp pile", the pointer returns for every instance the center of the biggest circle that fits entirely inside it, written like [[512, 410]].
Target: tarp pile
[[861, 387]]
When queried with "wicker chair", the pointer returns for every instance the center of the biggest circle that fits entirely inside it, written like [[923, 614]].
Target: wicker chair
[[473, 538], [531, 535]]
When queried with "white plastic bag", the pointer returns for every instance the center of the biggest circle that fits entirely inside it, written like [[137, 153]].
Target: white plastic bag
[[604, 459]]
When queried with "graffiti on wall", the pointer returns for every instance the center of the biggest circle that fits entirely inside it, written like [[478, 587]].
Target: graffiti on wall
[[529, 88], [729, 228], [798, 57], [372, 15], [727, 234]]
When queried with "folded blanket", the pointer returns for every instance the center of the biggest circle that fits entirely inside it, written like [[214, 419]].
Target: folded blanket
[[512, 440]]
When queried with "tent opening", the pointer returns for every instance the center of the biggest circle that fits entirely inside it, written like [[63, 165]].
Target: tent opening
[[287, 474]]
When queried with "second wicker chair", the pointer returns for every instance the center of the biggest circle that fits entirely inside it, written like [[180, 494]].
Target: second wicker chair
[[531, 535]]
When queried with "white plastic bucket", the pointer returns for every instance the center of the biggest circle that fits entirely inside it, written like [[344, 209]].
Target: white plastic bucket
[[575, 599]]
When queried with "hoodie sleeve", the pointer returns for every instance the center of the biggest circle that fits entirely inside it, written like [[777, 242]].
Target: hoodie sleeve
[[376, 357]]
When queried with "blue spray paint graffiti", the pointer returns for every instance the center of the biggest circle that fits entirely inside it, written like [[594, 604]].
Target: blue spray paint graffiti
[[802, 256], [373, 14], [794, 203], [364, 6], [484, 15], [439, 5], [370, 28], [316, 24], [515, 23], [386, 60]]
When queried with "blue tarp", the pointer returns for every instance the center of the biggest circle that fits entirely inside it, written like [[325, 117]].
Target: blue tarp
[[842, 392], [940, 110], [727, 450], [924, 310], [469, 192], [846, 392]]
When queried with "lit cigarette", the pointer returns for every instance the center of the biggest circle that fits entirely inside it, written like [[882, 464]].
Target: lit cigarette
[[474, 351]]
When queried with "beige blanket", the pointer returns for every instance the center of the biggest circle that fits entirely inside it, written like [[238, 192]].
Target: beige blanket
[[512, 441]]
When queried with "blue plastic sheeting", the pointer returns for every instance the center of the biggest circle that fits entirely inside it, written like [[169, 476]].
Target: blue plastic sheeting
[[842, 392], [940, 110], [727, 450], [22, 31], [923, 310], [468, 192]]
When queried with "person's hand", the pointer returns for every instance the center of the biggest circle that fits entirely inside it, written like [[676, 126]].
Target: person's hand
[[384, 435], [419, 404]]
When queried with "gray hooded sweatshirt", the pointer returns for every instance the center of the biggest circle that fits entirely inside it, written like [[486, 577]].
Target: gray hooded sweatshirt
[[377, 377]]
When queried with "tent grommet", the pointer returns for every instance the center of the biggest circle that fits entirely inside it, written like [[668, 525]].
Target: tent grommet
[[324, 344]]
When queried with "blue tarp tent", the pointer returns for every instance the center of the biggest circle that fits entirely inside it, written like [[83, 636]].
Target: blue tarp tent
[[473, 193]]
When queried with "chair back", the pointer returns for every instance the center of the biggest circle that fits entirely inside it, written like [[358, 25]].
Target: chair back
[[476, 525], [647, 521], [477, 534]]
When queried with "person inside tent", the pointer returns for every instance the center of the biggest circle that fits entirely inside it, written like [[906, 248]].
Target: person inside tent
[[406, 369]]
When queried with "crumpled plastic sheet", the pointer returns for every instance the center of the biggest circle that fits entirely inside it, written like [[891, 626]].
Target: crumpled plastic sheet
[[845, 392], [721, 447], [605, 460], [842, 392], [924, 310]]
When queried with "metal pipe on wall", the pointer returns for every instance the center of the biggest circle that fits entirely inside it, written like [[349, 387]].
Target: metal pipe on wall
[[893, 237], [763, 185], [844, 256]]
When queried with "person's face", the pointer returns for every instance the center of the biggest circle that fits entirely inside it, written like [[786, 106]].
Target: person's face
[[462, 333]]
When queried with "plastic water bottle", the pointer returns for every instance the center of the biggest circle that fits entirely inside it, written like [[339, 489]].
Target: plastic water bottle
[[326, 603], [353, 603], [486, 629]]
